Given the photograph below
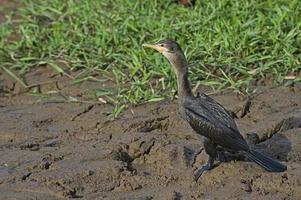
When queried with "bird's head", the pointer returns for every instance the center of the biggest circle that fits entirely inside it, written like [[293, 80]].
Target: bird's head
[[173, 52]]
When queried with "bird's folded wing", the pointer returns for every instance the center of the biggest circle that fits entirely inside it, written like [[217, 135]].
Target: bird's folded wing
[[214, 121]]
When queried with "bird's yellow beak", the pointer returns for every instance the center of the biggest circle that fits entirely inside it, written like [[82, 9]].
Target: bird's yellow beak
[[154, 46]]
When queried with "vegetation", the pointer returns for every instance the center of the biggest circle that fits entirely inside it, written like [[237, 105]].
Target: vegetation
[[228, 43]]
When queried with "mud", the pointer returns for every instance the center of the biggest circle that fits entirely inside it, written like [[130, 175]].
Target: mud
[[54, 149]]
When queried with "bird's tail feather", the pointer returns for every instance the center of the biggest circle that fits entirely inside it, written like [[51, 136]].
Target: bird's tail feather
[[266, 162]]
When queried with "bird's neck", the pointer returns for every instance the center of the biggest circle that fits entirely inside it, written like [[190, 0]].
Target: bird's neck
[[184, 89], [180, 66]]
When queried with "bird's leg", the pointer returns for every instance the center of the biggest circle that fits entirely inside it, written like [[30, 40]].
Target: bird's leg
[[198, 173], [210, 149], [226, 155], [221, 155]]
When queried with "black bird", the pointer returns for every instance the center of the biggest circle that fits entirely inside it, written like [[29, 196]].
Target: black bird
[[207, 117]]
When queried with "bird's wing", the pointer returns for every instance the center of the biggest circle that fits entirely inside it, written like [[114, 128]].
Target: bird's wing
[[212, 120], [218, 111]]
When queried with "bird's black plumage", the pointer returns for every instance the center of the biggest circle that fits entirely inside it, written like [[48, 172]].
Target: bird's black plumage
[[212, 120], [207, 117]]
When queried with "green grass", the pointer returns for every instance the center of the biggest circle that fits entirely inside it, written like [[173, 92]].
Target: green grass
[[225, 41]]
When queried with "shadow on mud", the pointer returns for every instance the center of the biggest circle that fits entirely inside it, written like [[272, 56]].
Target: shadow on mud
[[278, 147]]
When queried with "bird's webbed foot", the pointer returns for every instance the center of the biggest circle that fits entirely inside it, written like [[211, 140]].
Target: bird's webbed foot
[[210, 149], [198, 173]]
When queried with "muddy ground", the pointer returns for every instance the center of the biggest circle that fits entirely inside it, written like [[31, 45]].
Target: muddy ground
[[53, 149]]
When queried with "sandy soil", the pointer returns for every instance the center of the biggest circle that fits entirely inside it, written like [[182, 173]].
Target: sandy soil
[[51, 149]]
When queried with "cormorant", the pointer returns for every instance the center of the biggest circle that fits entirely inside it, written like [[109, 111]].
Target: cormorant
[[207, 117]]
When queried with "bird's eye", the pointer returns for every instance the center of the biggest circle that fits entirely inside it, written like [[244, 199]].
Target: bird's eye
[[172, 49], [162, 45]]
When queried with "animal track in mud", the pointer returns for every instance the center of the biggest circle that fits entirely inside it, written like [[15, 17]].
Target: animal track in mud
[[161, 123], [135, 150], [283, 125], [140, 148], [121, 154]]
